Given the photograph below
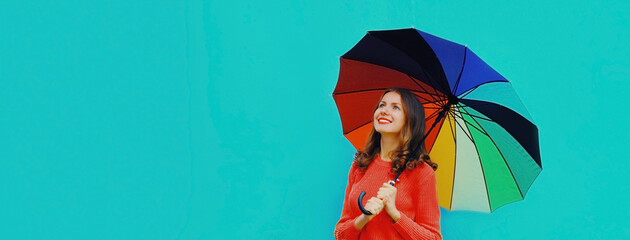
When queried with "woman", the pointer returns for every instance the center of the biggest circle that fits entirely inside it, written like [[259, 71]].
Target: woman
[[408, 210]]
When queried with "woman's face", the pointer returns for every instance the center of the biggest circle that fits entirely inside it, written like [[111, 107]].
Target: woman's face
[[389, 117]]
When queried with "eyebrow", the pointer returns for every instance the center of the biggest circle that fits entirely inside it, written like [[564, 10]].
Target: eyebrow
[[392, 103]]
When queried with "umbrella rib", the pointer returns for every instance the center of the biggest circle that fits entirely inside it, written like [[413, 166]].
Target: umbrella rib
[[434, 90], [460, 126], [474, 88], [358, 127], [430, 102], [375, 89], [461, 71], [485, 182], [439, 129], [454, 163], [504, 160], [427, 101], [425, 90], [436, 98], [469, 91], [457, 109], [453, 126], [432, 107], [472, 115], [484, 102], [483, 132], [434, 114], [434, 81]]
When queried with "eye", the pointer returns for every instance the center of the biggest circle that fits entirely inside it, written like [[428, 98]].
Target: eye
[[381, 105], [396, 107]]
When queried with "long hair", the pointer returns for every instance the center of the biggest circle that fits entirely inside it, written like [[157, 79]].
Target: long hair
[[410, 136]]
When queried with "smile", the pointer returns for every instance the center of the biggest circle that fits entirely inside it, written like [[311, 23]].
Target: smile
[[384, 121]]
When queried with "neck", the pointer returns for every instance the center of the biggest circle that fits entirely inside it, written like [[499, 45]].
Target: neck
[[389, 143]]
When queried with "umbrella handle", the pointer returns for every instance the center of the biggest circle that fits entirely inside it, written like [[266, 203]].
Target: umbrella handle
[[366, 212]]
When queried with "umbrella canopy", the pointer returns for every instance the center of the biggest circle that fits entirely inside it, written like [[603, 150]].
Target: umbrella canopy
[[486, 145]]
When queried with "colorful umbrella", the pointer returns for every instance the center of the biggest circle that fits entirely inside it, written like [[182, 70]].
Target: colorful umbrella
[[486, 145]]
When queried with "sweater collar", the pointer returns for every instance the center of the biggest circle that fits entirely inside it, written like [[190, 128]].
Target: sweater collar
[[379, 161]]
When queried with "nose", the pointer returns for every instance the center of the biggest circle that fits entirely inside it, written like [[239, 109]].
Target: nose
[[385, 111]]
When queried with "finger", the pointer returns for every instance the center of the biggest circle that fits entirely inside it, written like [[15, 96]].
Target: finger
[[384, 199], [370, 209], [383, 192], [388, 191], [377, 208], [373, 208], [388, 186]]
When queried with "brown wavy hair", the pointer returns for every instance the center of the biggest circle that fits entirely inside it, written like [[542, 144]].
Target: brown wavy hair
[[410, 136]]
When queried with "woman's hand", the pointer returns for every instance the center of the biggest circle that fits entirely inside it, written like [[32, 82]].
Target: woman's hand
[[375, 206], [388, 194]]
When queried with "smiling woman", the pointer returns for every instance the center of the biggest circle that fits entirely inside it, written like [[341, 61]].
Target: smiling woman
[[389, 116], [399, 121], [411, 207]]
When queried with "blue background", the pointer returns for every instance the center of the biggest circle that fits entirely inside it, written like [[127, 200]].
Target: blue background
[[215, 120]]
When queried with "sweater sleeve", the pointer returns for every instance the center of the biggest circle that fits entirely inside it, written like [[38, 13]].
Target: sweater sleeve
[[345, 227], [427, 220]]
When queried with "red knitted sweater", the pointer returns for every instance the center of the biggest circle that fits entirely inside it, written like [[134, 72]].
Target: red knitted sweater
[[416, 200]]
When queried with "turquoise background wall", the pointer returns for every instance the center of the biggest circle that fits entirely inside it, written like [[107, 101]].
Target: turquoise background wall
[[215, 120]]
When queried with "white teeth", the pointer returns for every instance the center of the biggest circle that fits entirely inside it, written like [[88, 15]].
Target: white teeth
[[383, 121]]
